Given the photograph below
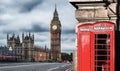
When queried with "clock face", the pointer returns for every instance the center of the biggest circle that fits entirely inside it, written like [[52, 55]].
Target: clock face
[[54, 27]]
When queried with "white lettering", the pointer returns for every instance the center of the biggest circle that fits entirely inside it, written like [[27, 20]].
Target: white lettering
[[103, 28], [84, 29]]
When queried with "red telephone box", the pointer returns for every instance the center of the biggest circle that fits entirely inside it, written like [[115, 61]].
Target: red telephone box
[[96, 46]]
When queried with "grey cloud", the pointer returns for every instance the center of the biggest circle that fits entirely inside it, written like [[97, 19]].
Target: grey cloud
[[19, 5], [68, 31], [68, 50], [10, 31], [30, 5], [73, 39], [2, 36], [26, 10], [1, 11], [3, 23], [41, 40], [70, 39], [36, 28]]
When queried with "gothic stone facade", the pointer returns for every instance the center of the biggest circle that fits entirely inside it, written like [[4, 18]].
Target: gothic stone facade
[[24, 49], [41, 54]]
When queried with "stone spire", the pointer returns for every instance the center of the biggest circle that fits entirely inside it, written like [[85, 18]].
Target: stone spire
[[22, 36], [55, 17]]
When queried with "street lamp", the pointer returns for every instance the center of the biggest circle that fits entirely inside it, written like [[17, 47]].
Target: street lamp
[[10, 48], [40, 56]]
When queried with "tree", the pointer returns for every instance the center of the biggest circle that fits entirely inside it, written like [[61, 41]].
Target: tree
[[66, 57]]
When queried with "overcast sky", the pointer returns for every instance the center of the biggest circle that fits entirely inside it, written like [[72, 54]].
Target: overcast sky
[[35, 16]]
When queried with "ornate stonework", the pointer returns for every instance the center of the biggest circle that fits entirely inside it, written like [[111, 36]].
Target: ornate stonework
[[24, 49], [55, 31], [95, 10]]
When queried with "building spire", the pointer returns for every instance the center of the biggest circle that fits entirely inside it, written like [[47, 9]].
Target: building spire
[[55, 6], [22, 36], [29, 34], [55, 12], [13, 35], [55, 15]]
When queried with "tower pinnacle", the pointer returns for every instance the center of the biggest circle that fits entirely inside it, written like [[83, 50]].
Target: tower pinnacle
[[55, 12]]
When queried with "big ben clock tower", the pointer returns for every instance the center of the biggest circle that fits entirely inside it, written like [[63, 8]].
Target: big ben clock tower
[[55, 31]]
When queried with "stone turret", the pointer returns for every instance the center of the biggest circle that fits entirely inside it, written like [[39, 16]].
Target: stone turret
[[28, 47], [13, 41]]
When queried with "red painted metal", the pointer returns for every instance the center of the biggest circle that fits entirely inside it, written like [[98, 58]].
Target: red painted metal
[[5, 56], [96, 46]]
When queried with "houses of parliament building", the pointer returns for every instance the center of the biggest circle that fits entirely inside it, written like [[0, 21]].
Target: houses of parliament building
[[27, 51], [24, 49]]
